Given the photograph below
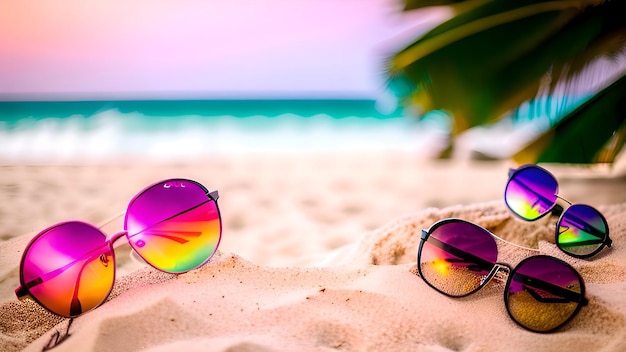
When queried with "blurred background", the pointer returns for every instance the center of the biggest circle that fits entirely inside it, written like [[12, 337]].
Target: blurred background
[[315, 119], [441, 78], [280, 105], [164, 79]]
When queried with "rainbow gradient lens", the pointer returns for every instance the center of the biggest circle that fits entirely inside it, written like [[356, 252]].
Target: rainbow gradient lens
[[174, 225], [456, 257], [531, 192], [68, 268], [543, 293], [581, 231]]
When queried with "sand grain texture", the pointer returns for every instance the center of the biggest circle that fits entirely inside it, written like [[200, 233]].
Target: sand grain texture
[[318, 254]]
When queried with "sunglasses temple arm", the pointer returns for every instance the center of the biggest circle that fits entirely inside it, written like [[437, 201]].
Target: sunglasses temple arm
[[215, 195], [22, 291], [179, 213], [165, 234], [75, 306]]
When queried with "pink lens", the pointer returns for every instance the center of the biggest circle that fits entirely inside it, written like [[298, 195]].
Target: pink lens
[[69, 268], [174, 225]]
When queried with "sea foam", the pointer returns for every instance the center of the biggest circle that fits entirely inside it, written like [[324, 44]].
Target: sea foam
[[111, 134]]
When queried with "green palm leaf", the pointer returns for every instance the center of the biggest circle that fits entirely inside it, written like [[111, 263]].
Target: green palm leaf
[[489, 59], [456, 4], [581, 136]]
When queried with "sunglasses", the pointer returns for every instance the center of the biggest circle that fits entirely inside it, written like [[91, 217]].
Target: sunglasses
[[532, 192], [69, 268], [458, 258]]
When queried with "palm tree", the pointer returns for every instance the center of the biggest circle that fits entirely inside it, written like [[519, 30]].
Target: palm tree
[[563, 60]]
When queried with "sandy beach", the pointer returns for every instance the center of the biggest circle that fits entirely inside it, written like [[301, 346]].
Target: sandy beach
[[335, 132], [317, 254]]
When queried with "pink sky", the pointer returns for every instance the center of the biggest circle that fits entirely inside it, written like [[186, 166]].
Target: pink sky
[[207, 48]]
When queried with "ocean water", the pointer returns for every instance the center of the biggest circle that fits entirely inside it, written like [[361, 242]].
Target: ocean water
[[68, 131]]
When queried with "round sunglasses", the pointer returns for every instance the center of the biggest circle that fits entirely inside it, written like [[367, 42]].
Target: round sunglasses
[[458, 258], [69, 268], [532, 192]]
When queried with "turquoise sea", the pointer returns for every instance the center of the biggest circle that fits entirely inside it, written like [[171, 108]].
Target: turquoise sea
[[164, 129]]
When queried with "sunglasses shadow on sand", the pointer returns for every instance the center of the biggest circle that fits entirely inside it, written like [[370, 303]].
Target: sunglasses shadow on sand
[[58, 337]]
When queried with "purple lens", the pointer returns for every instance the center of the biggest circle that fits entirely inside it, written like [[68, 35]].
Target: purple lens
[[581, 231], [543, 293], [68, 268], [174, 225], [531, 192], [457, 257]]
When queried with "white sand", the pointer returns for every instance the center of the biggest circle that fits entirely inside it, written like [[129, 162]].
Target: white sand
[[317, 254]]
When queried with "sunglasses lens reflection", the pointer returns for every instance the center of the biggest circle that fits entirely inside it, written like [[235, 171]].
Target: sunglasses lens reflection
[[174, 225], [582, 230], [457, 257], [531, 192], [69, 268], [543, 293]]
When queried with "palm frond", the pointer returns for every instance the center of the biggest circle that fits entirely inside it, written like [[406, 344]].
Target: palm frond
[[418, 4], [487, 61], [457, 5], [556, 98], [594, 132]]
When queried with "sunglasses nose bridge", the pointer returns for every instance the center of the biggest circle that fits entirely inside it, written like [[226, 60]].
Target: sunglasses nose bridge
[[117, 236], [560, 204], [494, 273], [499, 272], [502, 272], [562, 200]]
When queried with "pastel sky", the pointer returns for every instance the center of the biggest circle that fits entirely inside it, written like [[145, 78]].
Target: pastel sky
[[144, 48]]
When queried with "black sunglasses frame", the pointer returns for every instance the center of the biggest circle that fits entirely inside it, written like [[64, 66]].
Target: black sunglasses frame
[[496, 269], [559, 210]]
